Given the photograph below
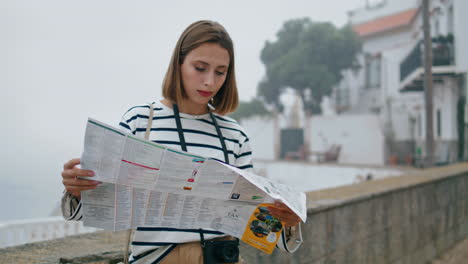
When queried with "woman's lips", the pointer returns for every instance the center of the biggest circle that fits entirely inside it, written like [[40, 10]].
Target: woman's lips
[[205, 93]]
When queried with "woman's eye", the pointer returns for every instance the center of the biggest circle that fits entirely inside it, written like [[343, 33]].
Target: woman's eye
[[220, 73], [199, 69]]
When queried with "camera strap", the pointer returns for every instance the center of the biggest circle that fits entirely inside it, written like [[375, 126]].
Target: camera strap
[[202, 244], [202, 238], [183, 144], [221, 138], [179, 127]]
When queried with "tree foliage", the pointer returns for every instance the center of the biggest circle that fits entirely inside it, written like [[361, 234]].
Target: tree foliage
[[308, 57], [249, 109]]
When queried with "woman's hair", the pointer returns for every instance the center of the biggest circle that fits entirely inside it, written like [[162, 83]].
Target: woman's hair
[[198, 33]]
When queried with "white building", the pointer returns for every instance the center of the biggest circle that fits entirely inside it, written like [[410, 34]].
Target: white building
[[389, 82]]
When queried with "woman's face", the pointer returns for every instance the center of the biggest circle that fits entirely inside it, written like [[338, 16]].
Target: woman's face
[[204, 71]]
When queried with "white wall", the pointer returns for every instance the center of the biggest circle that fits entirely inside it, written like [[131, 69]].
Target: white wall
[[389, 41], [445, 99], [391, 60], [461, 34], [403, 107], [440, 17], [448, 104], [461, 41], [261, 132], [360, 136]]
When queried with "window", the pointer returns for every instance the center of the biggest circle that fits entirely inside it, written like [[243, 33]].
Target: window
[[373, 63]]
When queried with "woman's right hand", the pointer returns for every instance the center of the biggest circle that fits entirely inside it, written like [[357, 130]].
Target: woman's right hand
[[72, 183]]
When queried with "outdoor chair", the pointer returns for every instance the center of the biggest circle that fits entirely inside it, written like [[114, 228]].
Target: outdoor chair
[[330, 155]]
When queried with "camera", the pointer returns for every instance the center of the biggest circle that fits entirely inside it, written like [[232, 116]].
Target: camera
[[220, 251]]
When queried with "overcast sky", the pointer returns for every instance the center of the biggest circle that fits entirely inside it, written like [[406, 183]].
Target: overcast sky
[[63, 61]]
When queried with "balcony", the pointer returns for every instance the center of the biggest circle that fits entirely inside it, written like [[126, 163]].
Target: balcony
[[412, 67]]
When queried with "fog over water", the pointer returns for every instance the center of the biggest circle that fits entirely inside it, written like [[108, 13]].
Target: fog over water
[[64, 61]]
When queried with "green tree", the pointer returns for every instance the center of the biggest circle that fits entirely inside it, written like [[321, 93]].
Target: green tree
[[308, 57], [248, 109]]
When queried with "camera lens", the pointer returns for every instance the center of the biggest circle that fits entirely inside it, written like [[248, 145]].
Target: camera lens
[[228, 253]]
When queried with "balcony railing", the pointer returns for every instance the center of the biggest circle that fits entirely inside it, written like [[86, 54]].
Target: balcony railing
[[442, 55]]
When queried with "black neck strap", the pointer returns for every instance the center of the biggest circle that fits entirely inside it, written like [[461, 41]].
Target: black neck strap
[[221, 138], [182, 138], [179, 127]]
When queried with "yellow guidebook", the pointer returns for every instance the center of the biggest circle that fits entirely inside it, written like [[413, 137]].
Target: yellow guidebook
[[263, 230]]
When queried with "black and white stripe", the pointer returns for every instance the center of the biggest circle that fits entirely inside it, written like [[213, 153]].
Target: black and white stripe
[[201, 138], [199, 132]]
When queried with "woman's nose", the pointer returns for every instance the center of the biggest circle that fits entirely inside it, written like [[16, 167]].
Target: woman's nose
[[209, 79]]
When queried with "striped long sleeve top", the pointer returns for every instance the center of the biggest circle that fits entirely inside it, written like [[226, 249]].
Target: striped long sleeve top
[[152, 244]]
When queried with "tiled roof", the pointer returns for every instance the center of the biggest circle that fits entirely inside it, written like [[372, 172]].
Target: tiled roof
[[386, 23]]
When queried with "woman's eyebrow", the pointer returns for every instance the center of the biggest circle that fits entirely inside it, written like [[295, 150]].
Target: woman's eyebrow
[[206, 63]]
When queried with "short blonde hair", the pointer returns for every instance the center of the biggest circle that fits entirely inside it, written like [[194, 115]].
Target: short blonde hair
[[198, 33]]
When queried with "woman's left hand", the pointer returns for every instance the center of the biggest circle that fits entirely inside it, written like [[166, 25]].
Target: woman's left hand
[[282, 212]]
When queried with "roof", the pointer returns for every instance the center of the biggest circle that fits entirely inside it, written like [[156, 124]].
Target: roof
[[386, 23]]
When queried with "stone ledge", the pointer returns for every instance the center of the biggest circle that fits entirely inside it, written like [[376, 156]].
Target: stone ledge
[[103, 258], [326, 199], [72, 248]]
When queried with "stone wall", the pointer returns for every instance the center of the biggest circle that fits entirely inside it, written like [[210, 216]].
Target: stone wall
[[407, 219], [94, 248]]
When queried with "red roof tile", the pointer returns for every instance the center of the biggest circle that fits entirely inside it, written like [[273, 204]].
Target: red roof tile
[[386, 23]]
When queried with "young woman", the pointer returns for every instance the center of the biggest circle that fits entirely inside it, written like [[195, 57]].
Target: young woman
[[198, 89]]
